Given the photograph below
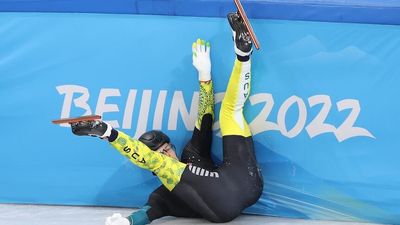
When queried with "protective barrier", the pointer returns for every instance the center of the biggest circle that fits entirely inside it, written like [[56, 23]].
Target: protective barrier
[[354, 11], [323, 109]]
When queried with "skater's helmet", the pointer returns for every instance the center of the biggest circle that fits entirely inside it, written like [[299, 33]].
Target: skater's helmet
[[154, 139]]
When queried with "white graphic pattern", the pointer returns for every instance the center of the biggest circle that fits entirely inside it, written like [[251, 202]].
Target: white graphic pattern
[[203, 172]]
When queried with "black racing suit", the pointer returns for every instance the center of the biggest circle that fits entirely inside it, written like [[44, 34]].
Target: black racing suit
[[216, 193]]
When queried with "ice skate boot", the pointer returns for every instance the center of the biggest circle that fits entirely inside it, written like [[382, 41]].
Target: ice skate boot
[[95, 128], [241, 36]]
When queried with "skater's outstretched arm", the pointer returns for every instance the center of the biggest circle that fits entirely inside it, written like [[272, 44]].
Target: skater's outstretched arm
[[139, 217], [198, 148], [201, 61], [161, 203]]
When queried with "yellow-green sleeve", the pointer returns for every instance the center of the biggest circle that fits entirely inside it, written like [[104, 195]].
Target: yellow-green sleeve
[[167, 169], [206, 102]]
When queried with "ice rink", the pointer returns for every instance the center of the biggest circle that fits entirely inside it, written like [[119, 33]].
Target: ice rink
[[12, 214]]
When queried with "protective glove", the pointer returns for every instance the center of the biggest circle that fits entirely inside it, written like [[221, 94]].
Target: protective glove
[[117, 219], [201, 59]]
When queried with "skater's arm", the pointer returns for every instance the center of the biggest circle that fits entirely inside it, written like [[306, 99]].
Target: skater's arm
[[140, 217], [206, 102], [155, 208], [201, 61], [167, 169]]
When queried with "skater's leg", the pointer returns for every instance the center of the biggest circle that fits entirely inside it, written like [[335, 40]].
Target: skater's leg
[[231, 116], [239, 157], [168, 169], [163, 203]]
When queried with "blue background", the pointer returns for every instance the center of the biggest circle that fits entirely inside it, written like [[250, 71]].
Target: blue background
[[354, 11], [317, 177]]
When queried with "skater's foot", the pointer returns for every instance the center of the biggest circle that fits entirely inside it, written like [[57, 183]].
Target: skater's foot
[[241, 36], [94, 128]]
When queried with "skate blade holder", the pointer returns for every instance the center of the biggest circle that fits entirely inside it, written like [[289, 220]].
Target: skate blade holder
[[246, 21], [76, 119]]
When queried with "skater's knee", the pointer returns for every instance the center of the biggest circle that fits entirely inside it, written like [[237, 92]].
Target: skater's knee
[[234, 124]]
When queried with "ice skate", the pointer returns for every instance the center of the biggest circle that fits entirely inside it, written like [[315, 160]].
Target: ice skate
[[96, 128], [241, 36], [242, 14]]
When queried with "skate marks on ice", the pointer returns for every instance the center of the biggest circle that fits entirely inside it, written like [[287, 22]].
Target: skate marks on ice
[[13, 214]]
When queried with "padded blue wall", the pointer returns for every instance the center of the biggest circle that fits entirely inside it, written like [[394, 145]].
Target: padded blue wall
[[323, 109], [358, 11]]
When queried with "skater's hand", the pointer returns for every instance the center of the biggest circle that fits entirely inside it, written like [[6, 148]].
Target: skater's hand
[[201, 59], [117, 219]]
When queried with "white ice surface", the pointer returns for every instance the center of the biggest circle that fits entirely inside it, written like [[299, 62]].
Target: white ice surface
[[11, 214]]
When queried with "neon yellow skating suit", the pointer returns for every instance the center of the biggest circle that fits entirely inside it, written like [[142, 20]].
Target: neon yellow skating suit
[[195, 186], [167, 169]]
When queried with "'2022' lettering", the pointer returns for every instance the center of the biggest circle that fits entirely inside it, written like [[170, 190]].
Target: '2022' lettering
[[78, 96], [317, 126]]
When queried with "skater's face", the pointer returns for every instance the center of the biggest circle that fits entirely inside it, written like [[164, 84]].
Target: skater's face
[[168, 149]]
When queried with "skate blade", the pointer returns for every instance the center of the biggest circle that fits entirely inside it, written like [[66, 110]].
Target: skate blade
[[246, 21], [77, 119]]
